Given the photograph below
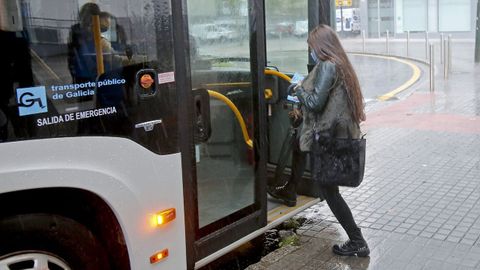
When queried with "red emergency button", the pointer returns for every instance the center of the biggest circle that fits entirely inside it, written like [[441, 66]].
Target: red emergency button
[[146, 81]]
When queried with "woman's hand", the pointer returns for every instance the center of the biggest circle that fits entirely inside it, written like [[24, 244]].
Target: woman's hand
[[296, 117], [291, 89], [297, 86], [295, 114]]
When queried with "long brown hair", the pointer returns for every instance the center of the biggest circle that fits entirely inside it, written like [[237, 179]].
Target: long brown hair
[[326, 45]]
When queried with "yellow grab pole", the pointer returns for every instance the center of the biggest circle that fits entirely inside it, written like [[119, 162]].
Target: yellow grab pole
[[98, 44], [237, 113], [234, 108], [278, 74]]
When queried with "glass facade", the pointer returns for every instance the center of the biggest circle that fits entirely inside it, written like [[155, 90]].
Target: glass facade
[[455, 15], [416, 16]]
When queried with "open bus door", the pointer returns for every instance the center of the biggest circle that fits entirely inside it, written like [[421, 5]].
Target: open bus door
[[222, 140], [226, 144]]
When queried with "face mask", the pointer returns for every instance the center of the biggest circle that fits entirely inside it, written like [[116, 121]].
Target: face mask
[[314, 56]]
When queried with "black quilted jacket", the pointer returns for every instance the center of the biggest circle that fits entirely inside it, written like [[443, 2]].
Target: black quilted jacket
[[325, 105]]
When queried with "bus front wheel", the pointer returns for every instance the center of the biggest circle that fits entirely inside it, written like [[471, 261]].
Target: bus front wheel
[[44, 241]]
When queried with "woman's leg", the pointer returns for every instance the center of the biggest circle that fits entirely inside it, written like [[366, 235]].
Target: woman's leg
[[356, 245], [342, 212]]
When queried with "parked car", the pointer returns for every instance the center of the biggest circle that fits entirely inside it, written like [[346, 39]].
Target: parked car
[[213, 33], [301, 29], [286, 28], [281, 29], [238, 27]]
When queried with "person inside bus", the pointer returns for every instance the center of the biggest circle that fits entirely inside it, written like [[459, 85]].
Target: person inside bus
[[81, 46], [112, 48], [114, 33], [110, 95], [329, 94], [82, 63], [81, 49]]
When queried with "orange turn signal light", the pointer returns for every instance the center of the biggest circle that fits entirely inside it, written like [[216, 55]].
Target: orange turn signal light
[[164, 217], [155, 258]]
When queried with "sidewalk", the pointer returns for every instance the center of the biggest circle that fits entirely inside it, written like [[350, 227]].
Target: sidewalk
[[419, 204]]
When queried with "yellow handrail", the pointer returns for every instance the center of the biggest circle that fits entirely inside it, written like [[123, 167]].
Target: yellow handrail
[[235, 110], [98, 45], [278, 74]]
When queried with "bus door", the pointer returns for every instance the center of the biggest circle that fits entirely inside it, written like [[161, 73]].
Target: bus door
[[287, 26], [225, 171]]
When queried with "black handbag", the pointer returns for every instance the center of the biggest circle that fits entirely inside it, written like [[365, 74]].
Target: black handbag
[[283, 174], [337, 161]]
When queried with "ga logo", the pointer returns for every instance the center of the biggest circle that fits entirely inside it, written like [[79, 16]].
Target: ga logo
[[32, 100]]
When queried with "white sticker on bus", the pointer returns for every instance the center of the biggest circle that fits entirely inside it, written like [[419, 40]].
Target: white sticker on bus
[[167, 77]]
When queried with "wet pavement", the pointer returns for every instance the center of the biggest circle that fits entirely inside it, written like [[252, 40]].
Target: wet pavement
[[370, 68], [419, 204], [290, 55]]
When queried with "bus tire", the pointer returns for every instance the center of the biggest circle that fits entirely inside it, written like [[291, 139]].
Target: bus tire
[[43, 236]]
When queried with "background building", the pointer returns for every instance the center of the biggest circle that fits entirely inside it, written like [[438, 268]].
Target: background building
[[398, 16]]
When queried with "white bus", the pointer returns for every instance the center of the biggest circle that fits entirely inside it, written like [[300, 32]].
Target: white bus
[[113, 154]]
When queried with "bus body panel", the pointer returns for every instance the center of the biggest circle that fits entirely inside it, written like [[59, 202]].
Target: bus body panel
[[133, 181]]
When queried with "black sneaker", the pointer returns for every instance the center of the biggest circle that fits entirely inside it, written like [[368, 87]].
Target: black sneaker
[[351, 248], [285, 193]]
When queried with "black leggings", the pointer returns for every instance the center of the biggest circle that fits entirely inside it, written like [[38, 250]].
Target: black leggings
[[335, 201], [342, 212]]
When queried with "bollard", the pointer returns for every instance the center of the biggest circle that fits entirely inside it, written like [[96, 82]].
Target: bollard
[[442, 52], [363, 40], [426, 44], [408, 42], [387, 47], [379, 19], [449, 51], [432, 67], [445, 62]]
